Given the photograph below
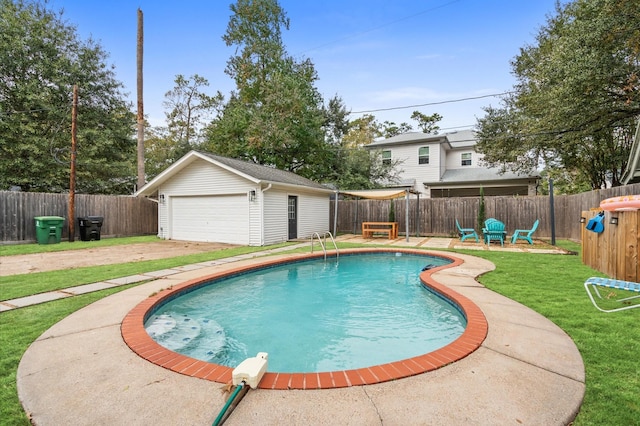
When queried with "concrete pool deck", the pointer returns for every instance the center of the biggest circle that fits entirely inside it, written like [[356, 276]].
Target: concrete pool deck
[[527, 371]]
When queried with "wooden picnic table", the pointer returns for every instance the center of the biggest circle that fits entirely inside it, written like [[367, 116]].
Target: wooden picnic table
[[388, 228]]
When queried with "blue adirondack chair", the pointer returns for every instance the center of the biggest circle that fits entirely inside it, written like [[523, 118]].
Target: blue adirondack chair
[[466, 232], [524, 234], [493, 230]]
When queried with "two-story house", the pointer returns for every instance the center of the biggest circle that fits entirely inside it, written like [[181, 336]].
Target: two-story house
[[447, 165]]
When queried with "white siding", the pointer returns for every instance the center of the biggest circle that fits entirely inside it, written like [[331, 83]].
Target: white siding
[[204, 202], [408, 155], [313, 214], [200, 178], [275, 216], [454, 159], [256, 236], [442, 163], [163, 219]]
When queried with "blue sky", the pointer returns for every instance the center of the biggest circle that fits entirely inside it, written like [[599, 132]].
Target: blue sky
[[375, 54]]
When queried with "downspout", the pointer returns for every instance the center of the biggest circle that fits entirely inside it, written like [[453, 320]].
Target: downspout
[[262, 214]]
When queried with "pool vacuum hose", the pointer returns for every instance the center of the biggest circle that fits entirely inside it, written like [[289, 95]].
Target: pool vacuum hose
[[248, 372]]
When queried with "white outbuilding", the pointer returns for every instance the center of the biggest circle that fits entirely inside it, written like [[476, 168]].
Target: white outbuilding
[[210, 198]]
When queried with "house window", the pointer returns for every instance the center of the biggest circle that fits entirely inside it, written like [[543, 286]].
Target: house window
[[386, 157], [466, 159], [423, 155]]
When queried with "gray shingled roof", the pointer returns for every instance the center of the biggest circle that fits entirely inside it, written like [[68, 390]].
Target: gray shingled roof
[[264, 173], [479, 175], [458, 138]]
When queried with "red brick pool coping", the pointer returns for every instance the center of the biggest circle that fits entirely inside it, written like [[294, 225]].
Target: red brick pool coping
[[136, 337]]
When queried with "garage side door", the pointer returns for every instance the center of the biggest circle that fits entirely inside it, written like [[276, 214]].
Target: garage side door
[[221, 219]]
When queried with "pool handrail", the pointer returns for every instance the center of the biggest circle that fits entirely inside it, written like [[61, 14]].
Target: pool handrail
[[316, 234]]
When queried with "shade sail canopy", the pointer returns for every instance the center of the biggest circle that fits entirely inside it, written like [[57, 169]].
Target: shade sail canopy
[[377, 194]]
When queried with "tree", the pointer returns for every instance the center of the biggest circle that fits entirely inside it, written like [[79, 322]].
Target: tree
[[358, 168], [362, 131], [276, 115], [564, 182], [336, 122], [427, 123], [391, 129], [41, 58], [576, 100], [502, 141], [188, 108], [481, 210]]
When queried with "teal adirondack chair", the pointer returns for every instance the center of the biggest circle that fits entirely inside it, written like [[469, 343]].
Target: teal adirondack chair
[[466, 232], [493, 230], [520, 233]]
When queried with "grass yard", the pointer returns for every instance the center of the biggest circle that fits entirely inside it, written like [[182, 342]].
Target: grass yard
[[14, 249], [549, 284], [14, 286], [609, 343]]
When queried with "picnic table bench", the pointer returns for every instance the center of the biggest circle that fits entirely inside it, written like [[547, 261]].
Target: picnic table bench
[[390, 229]]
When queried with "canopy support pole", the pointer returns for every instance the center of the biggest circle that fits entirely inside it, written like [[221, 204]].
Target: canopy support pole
[[406, 214], [418, 215], [335, 216]]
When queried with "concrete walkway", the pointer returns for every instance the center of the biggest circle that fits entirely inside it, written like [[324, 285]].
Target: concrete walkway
[[35, 299], [526, 372], [434, 243]]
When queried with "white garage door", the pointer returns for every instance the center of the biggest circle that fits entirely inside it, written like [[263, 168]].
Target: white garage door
[[221, 219]]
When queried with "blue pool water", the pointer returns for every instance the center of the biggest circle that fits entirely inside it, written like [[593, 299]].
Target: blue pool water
[[313, 316]]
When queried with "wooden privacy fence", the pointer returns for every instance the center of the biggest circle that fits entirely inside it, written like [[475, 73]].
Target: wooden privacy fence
[[436, 216], [614, 251], [123, 215]]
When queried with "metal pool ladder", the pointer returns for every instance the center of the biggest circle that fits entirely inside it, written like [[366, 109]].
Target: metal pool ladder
[[323, 244]]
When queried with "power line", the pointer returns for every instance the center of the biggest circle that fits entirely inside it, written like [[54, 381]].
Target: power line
[[434, 103], [381, 26]]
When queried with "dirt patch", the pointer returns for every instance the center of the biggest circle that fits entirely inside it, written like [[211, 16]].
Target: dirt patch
[[69, 259]]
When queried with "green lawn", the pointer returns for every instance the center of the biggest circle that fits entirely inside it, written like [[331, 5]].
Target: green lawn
[[14, 286], [549, 284], [14, 249], [609, 343]]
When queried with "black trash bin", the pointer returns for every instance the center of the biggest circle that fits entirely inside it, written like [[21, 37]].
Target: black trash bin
[[90, 227]]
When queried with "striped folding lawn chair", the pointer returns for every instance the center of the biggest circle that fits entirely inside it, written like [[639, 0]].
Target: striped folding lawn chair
[[592, 285]]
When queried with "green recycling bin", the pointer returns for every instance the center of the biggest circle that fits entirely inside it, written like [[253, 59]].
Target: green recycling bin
[[48, 229]]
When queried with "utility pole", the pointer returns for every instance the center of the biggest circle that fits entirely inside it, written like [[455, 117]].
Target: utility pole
[[141, 177], [72, 174]]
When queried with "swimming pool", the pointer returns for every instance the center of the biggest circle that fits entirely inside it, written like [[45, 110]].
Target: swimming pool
[[313, 315], [137, 338]]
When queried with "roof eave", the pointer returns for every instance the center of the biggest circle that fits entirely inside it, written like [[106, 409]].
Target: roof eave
[[152, 186]]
